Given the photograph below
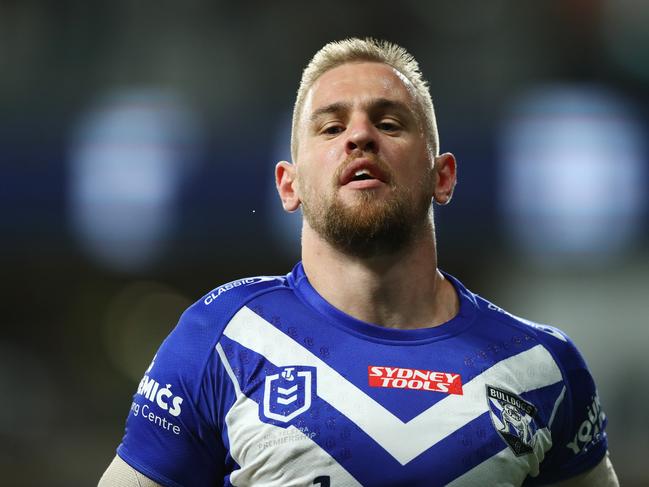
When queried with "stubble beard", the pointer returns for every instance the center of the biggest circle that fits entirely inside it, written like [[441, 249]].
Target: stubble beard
[[372, 226]]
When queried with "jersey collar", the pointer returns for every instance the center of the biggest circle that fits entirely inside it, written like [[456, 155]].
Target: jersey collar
[[299, 282]]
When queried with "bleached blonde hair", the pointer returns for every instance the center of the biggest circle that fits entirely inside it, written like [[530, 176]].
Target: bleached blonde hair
[[353, 50]]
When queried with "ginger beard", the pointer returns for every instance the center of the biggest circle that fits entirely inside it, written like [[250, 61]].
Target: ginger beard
[[373, 224]]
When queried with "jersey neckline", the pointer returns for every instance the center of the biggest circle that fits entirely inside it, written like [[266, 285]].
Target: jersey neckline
[[465, 317]]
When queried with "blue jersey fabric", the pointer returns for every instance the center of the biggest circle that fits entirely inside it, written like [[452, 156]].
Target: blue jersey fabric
[[263, 382]]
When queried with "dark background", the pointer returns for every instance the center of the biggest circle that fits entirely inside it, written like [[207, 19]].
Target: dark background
[[137, 147]]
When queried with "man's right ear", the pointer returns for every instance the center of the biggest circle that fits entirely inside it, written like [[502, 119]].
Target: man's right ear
[[286, 186]]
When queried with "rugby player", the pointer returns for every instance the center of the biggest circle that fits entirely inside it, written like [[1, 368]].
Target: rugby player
[[366, 364]]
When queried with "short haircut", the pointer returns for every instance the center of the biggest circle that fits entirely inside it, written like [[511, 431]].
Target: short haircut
[[355, 50]]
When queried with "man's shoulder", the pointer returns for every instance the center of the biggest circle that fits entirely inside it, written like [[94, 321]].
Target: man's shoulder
[[239, 291], [190, 345], [560, 350], [550, 336], [201, 325], [216, 307]]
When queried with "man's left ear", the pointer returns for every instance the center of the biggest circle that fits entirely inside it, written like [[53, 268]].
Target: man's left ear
[[445, 177]]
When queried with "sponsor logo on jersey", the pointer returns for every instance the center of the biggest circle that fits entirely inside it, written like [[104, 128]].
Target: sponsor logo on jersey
[[415, 379], [513, 417], [591, 430], [288, 394], [160, 394], [231, 285]]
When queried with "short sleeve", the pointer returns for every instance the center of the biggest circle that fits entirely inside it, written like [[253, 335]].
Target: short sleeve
[[578, 428], [172, 435]]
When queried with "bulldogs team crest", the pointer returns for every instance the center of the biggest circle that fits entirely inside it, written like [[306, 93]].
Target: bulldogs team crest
[[288, 394], [513, 417]]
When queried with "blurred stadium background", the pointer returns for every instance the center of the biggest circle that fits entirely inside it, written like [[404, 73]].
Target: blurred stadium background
[[137, 145]]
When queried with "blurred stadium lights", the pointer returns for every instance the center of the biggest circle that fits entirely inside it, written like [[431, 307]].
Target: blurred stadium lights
[[572, 170], [129, 157]]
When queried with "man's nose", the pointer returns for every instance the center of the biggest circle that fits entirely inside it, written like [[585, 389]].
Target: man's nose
[[362, 135]]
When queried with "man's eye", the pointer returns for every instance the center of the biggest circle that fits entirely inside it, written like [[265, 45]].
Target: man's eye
[[388, 126], [332, 129]]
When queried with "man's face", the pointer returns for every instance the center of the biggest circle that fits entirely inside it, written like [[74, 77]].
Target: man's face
[[364, 171]]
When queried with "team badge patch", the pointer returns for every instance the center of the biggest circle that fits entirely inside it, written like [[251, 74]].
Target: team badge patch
[[288, 394], [513, 417]]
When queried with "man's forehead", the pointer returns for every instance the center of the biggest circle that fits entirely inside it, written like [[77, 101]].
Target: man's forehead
[[358, 82]]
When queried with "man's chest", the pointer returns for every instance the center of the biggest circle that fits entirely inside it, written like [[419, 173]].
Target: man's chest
[[366, 415]]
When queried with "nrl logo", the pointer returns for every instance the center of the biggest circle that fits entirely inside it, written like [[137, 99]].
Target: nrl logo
[[288, 394], [513, 417]]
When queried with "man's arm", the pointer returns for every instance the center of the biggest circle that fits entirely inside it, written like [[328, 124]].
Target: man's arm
[[121, 474], [603, 475]]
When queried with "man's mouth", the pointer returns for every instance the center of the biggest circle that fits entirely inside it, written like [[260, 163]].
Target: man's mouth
[[363, 170], [362, 175]]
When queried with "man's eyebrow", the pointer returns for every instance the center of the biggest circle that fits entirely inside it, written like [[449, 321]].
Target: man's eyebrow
[[328, 109], [387, 104], [374, 104]]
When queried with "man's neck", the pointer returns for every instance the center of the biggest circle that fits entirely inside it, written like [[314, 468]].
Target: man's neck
[[401, 290]]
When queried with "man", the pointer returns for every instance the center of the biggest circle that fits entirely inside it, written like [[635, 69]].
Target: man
[[365, 365]]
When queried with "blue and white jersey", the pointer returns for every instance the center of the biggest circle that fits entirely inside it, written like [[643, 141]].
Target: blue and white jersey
[[263, 382]]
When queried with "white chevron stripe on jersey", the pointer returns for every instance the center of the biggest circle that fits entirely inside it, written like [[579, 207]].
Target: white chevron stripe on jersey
[[267, 453], [529, 370]]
